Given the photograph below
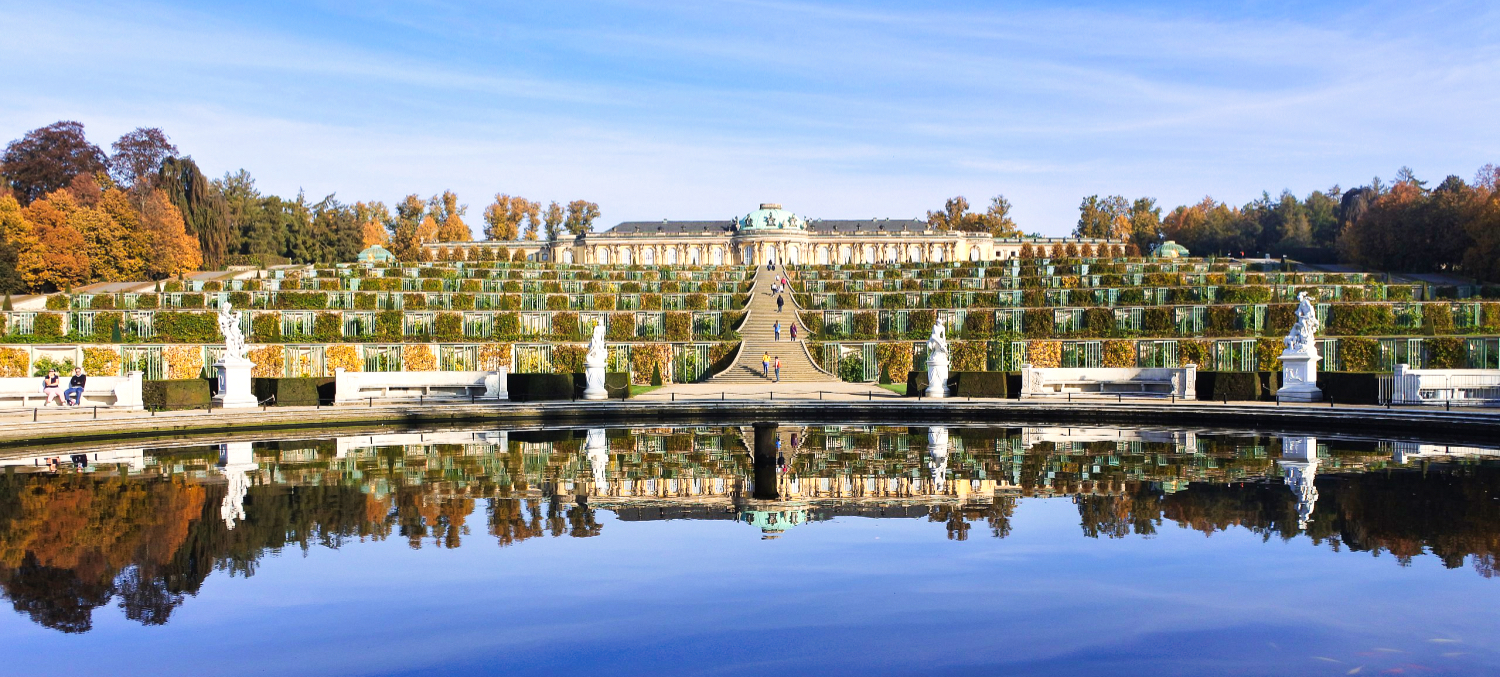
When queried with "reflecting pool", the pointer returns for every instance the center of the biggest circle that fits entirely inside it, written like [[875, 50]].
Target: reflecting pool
[[769, 549]]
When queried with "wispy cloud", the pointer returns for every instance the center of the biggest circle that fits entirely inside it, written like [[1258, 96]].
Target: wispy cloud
[[698, 109]]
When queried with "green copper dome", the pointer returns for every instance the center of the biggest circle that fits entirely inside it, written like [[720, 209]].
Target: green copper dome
[[770, 216]]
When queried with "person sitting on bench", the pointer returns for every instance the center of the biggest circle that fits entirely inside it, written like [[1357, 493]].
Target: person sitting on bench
[[74, 393]]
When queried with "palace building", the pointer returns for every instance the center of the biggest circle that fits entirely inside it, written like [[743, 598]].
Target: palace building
[[771, 234]]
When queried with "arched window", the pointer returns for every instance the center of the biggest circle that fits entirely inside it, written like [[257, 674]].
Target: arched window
[[693, 256], [602, 257], [672, 256], [648, 257], [567, 256], [822, 256], [974, 253], [846, 255], [792, 252], [625, 256], [718, 256]]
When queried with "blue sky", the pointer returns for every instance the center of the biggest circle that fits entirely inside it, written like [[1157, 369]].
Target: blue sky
[[697, 109]]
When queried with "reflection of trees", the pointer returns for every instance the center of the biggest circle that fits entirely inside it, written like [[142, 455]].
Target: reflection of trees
[[512, 520], [69, 544], [1136, 511], [957, 517], [1448, 511]]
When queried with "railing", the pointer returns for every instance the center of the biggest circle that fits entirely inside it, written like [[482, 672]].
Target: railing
[[1446, 387]]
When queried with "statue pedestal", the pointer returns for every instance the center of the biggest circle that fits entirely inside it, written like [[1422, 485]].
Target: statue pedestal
[[234, 384], [1299, 377], [937, 376], [594, 380]]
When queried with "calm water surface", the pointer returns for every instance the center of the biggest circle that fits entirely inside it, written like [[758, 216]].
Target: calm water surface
[[830, 550]]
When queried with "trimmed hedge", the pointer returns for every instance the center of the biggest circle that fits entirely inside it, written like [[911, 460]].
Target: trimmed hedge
[[616, 382], [190, 393], [1350, 387], [982, 384], [537, 387], [1237, 386], [294, 392], [969, 384]]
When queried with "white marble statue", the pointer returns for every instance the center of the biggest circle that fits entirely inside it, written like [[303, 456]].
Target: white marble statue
[[1299, 362], [937, 360], [234, 339], [594, 363], [233, 368], [1300, 338]]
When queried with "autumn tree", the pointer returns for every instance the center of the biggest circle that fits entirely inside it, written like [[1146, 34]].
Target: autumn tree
[[59, 258], [1103, 217], [955, 216], [997, 218], [372, 217], [552, 221], [172, 250], [47, 159], [16, 237], [581, 216], [448, 214], [139, 155], [405, 228], [504, 216]]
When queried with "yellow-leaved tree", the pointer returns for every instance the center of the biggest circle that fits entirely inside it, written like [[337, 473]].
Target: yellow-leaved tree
[[172, 250]]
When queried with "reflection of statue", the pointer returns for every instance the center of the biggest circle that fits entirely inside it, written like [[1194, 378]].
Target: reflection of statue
[[236, 461], [234, 339], [596, 445], [1299, 460], [937, 457]]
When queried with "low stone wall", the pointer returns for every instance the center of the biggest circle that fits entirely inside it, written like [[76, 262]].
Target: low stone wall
[[352, 387], [1040, 382]]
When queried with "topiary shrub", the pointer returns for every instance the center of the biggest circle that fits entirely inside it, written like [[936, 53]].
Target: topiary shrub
[[294, 392], [1359, 354], [176, 394]]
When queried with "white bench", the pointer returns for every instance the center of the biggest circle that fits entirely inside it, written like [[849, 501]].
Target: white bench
[[120, 392], [352, 387], [1470, 386], [1116, 382]]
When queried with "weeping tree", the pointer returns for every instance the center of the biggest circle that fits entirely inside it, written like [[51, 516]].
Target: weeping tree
[[202, 206]]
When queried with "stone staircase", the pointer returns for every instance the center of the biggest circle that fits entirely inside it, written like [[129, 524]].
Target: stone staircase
[[758, 339]]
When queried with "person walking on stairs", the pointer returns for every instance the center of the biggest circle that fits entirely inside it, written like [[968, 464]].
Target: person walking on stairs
[[765, 364], [778, 369], [776, 328], [779, 301], [794, 331]]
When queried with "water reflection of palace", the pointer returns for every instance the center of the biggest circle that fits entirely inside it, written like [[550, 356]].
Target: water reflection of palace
[[148, 526]]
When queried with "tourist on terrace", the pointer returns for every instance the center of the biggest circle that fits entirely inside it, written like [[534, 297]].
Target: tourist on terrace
[[52, 388], [74, 393], [777, 329], [778, 369], [765, 364]]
